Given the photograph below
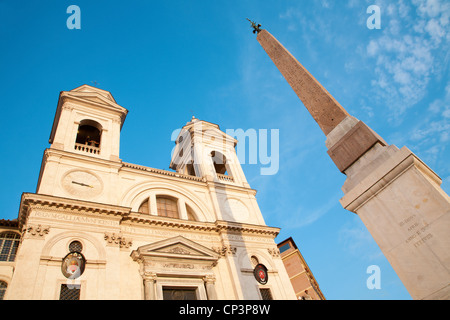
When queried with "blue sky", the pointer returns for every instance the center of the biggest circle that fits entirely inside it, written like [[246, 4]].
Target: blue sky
[[168, 60]]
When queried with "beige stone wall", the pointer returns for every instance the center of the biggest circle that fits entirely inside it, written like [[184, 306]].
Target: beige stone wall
[[111, 273]]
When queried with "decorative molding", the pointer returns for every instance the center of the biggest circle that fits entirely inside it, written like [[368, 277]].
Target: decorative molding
[[37, 231], [242, 228], [38, 201], [177, 250], [163, 172], [175, 256], [209, 279], [118, 239], [225, 250], [67, 106], [120, 214], [68, 236], [221, 227], [149, 276], [274, 252]]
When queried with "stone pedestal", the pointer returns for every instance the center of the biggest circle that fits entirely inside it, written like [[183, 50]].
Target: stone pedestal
[[400, 201]]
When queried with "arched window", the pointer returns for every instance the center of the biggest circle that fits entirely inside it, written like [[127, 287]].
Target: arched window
[[220, 162], [88, 136], [144, 207], [221, 167], [9, 242], [190, 169], [167, 207], [3, 287], [254, 261], [75, 246]]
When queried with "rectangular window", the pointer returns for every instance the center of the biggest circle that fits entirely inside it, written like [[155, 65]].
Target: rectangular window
[[3, 287], [6, 248], [69, 292], [266, 294], [285, 247]]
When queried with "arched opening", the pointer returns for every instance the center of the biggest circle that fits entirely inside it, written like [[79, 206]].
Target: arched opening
[[254, 260], [144, 207], [88, 137], [190, 169], [220, 163], [221, 167], [190, 213]]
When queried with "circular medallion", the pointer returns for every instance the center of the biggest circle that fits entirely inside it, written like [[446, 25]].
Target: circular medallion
[[82, 184], [260, 273], [73, 265]]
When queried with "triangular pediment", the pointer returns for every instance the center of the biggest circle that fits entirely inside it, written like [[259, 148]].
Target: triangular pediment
[[180, 249], [177, 247], [96, 99], [92, 97], [96, 96], [89, 89]]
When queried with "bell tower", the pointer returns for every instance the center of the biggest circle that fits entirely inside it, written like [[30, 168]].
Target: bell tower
[[88, 122], [84, 146], [203, 150]]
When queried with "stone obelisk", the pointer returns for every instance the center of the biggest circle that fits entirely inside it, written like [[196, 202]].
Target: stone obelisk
[[396, 195]]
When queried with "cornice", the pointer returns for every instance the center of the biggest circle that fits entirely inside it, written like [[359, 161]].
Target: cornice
[[32, 200], [231, 186], [219, 185], [80, 157], [244, 228], [124, 214], [157, 221], [9, 223], [83, 97], [219, 226], [139, 168]]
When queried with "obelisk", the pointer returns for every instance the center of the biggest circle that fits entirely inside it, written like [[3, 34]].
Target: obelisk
[[396, 195]]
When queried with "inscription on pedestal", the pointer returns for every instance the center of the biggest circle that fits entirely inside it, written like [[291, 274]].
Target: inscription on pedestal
[[417, 234]]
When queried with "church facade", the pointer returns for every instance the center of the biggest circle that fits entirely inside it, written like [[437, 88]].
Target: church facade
[[100, 228]]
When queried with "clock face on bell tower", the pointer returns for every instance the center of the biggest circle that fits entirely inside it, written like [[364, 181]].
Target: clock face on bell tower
[[82, 184]]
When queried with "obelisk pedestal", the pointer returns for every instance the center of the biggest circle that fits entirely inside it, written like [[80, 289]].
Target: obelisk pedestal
[[395, 194], [400, 201]]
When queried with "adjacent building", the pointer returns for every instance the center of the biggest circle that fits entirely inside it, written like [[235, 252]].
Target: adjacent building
[[301, 276]]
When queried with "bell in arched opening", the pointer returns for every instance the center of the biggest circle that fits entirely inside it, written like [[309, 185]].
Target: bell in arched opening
[[88, 137]]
